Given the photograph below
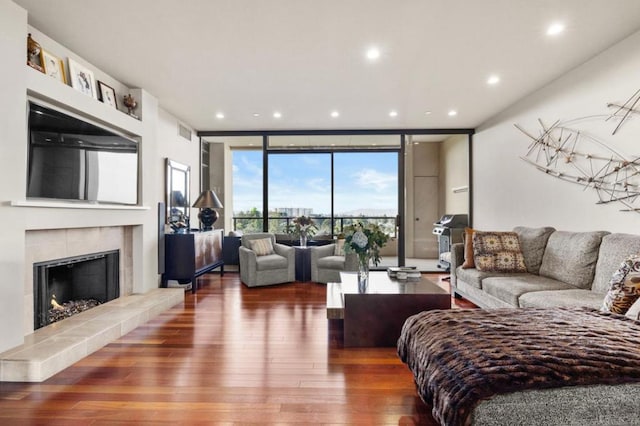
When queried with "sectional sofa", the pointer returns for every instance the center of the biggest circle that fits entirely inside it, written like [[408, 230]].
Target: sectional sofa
[[568, 269], [564, 362]]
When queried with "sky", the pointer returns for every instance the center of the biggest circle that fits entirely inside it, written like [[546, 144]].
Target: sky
[[363, 181]]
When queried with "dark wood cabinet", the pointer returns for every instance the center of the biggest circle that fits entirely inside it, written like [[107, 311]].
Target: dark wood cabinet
[[187, 256]]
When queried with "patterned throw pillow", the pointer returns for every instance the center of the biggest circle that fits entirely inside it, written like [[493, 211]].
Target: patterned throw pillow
[[339, 247], [624, 287], [262, 247], [497, 252]]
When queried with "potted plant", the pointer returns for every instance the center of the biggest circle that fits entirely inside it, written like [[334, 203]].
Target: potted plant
[[302, 227], [366, 241]]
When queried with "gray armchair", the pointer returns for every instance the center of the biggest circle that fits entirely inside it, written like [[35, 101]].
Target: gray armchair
[[326, 266], [275, 268]]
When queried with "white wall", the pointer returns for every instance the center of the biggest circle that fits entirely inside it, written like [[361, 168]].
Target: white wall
[[509, 192], [159, 139], [454, 173], [13, 160], [173, 146]]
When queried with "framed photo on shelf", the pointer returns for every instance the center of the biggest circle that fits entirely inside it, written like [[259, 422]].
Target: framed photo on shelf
[[53, 66], [107, 94], [82, 79]]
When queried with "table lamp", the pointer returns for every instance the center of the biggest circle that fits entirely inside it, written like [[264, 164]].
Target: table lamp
[[206, 202]]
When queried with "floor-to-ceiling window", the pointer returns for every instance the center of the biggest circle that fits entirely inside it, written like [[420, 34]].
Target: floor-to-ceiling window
[[337, 178], [366, 189], [299, 185], [247, 199]]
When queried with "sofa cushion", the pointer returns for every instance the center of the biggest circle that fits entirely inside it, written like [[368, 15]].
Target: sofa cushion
[[262, 246], [497, 252], [561, 298], [331, 262], [271, 261], [571, 257], [532, 243], [624, 288], [613, 250], [509, 289], [474, 278]]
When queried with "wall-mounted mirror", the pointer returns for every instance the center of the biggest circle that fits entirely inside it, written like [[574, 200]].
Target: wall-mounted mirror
[[177, 192]]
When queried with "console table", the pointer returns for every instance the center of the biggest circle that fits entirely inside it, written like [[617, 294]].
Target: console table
[[189, 255]]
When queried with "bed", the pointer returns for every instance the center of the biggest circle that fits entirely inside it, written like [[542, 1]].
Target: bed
[[557, 366]]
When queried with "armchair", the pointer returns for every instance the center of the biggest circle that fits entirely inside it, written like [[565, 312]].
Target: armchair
[[274, 268], [326, 265]]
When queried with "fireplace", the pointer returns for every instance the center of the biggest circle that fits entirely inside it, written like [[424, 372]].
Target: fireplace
[[74, 284]]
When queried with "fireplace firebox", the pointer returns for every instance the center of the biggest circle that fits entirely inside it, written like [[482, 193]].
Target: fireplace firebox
[[74, 284]]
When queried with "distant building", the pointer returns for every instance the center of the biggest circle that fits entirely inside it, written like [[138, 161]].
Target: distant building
[[293, 211]]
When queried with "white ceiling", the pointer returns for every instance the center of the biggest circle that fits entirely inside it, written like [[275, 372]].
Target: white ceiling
[[306, 58]]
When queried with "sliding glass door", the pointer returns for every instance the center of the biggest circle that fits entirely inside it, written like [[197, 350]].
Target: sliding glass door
[[366, 190], [336, 189]]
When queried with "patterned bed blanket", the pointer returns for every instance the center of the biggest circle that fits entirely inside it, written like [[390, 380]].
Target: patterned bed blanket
[[461, 357]]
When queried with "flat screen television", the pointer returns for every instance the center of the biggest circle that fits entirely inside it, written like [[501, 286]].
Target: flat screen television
[[71, 159]]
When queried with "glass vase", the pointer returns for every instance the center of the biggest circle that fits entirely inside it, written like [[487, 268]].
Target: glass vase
[[303, 240], [363, 273]]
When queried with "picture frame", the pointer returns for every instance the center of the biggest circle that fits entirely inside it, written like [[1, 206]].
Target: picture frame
[[107, 94], [82, 79], [53, 66]]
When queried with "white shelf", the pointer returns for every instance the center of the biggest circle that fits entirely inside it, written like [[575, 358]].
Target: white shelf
[[79, 205], [41, 86]]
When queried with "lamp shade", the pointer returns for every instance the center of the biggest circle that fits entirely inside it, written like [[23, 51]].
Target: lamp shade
[[208, 199]]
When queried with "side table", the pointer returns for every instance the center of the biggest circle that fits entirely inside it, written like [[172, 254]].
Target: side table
[[303, 263]]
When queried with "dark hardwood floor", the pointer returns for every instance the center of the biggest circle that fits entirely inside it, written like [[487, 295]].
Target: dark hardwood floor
[[228, 355]]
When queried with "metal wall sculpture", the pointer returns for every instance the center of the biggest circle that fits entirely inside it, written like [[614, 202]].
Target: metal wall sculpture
[[563, 151]]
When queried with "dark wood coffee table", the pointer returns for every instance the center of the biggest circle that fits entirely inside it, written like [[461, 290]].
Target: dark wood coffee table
[[375, 317]]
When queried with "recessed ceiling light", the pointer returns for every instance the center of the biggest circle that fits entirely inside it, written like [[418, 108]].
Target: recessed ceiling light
[[493, 79], [277, 115], [393, 114], [452, 113], [255, 114], [373, 53], [335, 114], [555, 29], [427, 113], [220, 116]]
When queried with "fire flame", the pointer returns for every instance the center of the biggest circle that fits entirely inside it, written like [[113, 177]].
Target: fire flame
[[55, 304]]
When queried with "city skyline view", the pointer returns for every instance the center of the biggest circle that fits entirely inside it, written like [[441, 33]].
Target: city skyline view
[[363, 181]]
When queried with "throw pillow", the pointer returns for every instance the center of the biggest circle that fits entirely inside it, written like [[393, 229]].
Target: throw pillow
[[634, 311], [262, 247], [339, 247], [468, 249], [624, 287], [497, 252]]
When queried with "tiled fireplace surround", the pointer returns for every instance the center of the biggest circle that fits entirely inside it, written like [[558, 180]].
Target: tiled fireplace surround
[[56, 346], [51, 244]]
